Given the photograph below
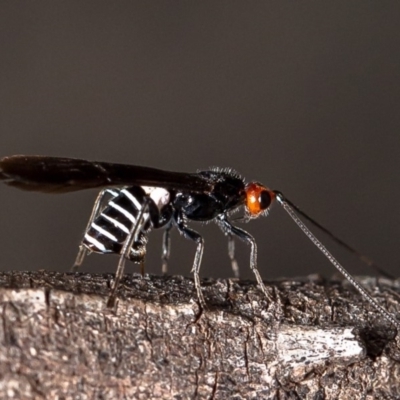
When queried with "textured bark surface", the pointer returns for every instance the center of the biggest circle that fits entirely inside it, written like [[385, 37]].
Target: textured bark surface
[[319, 340]]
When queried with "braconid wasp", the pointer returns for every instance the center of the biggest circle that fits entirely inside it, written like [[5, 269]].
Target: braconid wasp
[[135, 199]]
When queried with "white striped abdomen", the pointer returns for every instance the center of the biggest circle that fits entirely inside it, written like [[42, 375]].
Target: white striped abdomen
[[109, 230]]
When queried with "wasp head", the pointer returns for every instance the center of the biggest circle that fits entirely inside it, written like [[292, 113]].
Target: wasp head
[[258, 199]]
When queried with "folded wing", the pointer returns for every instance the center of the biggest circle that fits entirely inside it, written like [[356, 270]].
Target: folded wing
[[61, 175]]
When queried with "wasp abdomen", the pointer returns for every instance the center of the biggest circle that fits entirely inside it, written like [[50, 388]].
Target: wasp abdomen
[[109, 230]]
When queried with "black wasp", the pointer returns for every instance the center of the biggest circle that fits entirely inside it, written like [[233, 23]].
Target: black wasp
[[135, 199]]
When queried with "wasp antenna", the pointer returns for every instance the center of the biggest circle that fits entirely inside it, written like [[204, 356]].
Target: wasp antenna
[[365, 259], [287, 207]]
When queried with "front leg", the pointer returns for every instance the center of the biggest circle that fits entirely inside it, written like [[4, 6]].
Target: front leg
[[166, 249], [192, 235], [231, 254], [226, 226]]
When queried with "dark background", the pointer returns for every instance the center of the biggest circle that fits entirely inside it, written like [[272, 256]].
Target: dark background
[[302, 96]]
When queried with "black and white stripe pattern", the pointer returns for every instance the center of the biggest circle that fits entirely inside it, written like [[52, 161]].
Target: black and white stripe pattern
[[111, 227]]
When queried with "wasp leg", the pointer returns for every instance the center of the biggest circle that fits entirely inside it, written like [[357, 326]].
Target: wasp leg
[[125, 251], [193, 235], [231, 254], [166, 249], [142, 268], [246, 237], [95, 212]]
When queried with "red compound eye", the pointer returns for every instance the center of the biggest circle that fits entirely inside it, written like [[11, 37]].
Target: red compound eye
[[258, 198]]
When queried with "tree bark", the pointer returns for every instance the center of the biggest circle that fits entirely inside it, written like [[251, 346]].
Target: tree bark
[[317, 340]]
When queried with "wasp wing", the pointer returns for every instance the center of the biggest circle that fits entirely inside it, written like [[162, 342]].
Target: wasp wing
[[61, 175]]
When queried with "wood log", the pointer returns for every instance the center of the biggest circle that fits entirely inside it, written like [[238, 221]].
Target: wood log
[[317, 340]]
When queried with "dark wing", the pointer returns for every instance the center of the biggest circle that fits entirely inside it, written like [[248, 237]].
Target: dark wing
[[61, 175]]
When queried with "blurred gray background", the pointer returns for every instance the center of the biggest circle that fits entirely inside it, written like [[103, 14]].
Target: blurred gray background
[[302, 96]]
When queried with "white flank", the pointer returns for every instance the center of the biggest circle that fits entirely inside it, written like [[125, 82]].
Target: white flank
[[160, 196]]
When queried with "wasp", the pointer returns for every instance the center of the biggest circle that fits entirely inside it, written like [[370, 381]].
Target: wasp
[[133, 200]]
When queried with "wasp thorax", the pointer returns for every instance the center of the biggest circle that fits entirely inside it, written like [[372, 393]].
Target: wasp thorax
[[258, 198]]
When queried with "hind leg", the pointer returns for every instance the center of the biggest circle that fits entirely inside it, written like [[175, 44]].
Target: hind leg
[[83, 251], [126, 250]]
